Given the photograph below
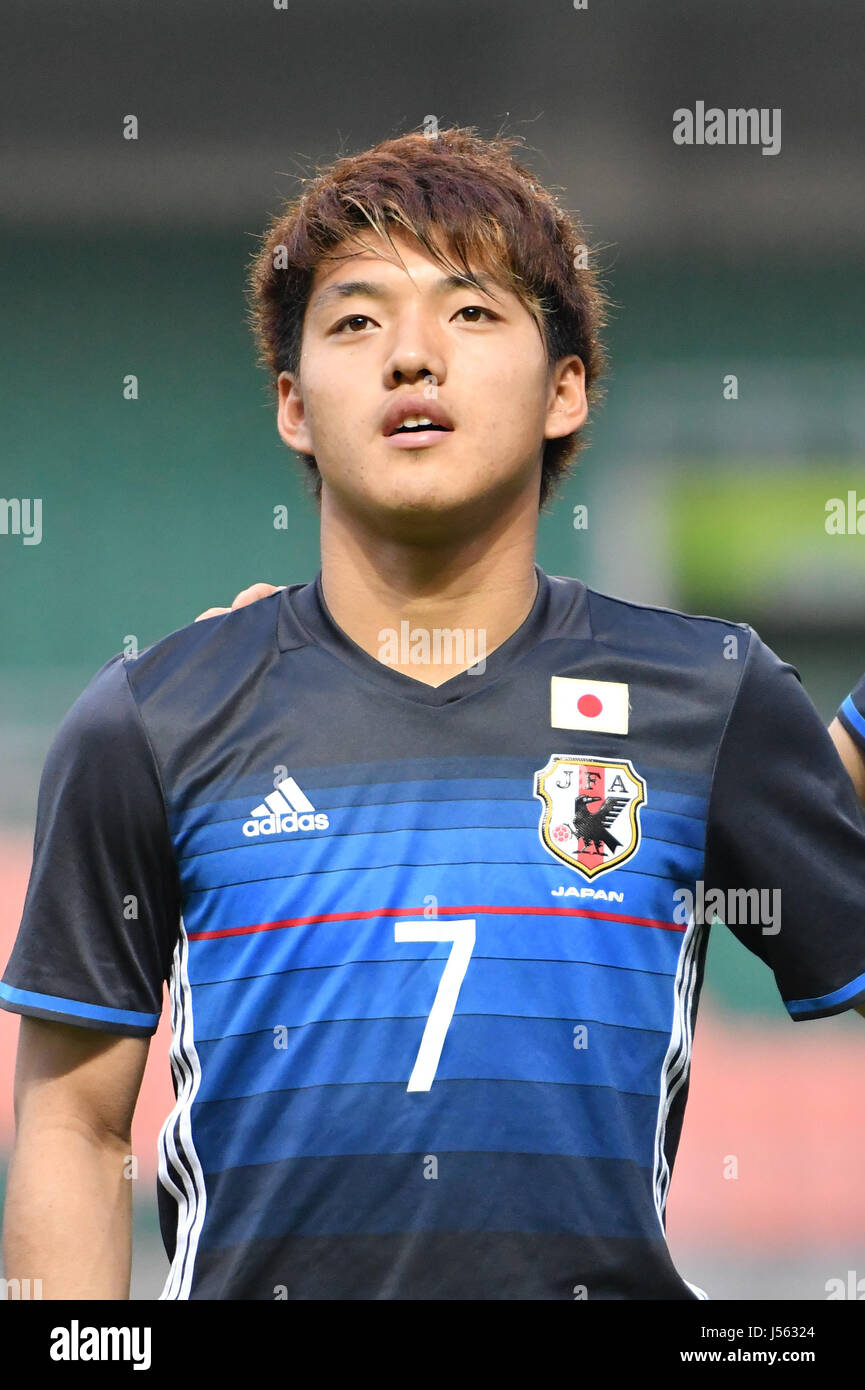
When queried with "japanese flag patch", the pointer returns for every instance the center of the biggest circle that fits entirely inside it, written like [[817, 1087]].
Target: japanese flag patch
[[581, 704]]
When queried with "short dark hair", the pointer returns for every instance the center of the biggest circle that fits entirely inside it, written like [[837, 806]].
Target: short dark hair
[[491, 212]]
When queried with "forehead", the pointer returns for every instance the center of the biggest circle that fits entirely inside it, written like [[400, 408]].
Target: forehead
[[403, 255]]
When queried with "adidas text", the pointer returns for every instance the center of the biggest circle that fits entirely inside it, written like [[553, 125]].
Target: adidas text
[[289, 823]]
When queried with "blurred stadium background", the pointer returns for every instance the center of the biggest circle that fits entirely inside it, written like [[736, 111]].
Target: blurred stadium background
[[126, 257]]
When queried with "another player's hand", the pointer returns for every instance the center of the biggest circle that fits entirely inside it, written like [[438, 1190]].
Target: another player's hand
[[851, 756], [250, 595]]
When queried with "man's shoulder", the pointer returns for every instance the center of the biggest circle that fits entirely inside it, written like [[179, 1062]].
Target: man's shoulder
[[252, 625], [198, 663], [617, 620], [214, 654]]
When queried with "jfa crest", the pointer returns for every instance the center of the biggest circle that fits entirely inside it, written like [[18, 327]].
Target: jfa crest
[[591, 811]]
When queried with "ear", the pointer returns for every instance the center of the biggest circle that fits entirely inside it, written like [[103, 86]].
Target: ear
[[291, 418], [567, 406]]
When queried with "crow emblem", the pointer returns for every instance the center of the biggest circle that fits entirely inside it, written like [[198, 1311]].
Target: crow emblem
[[593, 826], [590, 811]]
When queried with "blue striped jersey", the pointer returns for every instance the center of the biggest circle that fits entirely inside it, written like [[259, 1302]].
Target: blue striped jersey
[[433, 954]]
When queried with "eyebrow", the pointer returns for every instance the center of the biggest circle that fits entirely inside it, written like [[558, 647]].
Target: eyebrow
[[371, 289]]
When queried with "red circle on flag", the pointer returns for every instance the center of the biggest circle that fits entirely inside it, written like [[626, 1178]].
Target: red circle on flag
[[589, 706]]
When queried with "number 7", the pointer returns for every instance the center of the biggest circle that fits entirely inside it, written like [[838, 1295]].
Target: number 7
[[462, 934]]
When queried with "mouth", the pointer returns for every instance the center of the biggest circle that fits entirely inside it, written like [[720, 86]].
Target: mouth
[[417, 436], [411, 422], [415, 427]]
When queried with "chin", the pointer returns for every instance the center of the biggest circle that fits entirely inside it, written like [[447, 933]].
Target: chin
[[422, 484], [426, 513], [423, 502], [418, 488]]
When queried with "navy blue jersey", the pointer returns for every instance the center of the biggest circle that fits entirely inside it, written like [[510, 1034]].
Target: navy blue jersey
[[434, 954]]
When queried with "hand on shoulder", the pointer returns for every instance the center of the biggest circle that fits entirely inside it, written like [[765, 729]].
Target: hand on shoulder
[[250, 595]]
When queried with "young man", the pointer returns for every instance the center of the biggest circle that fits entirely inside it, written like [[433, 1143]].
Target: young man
[[435, 929]]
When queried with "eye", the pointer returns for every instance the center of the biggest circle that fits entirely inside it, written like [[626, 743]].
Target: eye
[[353, 319], [476, 309]]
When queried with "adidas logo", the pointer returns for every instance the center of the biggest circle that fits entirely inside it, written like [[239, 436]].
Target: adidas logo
[[286, 809]]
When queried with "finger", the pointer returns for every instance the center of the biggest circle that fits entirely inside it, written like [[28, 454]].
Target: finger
[[212, 613], [254, 593]]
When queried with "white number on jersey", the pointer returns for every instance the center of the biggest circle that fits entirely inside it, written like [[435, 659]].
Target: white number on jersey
[[462, 934]]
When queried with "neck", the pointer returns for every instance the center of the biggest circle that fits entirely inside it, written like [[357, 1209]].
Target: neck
[[399, 600]]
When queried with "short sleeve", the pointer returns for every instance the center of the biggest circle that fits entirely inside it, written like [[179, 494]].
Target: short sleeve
[[852, 714], [102, 911], [784, 820]]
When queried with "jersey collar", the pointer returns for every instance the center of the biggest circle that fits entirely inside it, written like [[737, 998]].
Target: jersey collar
[[306, 620]]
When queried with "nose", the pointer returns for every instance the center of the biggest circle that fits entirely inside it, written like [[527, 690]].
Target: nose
[[416, 354]]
